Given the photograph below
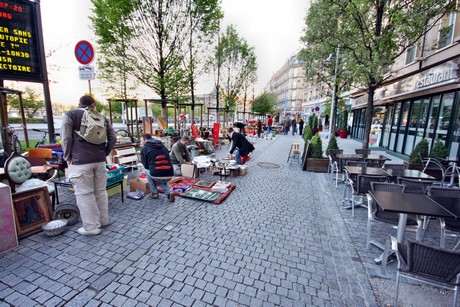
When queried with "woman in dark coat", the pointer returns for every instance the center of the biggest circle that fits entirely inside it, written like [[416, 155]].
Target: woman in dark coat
[[301, 123]]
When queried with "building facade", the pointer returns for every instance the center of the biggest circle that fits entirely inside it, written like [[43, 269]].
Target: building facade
[[422, 98], [287, 83]]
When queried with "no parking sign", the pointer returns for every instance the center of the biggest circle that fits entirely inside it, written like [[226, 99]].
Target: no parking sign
[[84, 52]]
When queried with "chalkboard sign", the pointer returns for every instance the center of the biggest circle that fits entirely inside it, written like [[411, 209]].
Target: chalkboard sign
[[20, 47]]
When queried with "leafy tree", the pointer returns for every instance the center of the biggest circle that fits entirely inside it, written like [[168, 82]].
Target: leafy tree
[[204, 18], [372, 35], [316, 147], [31, 101], [238, 64], [110, 24], [264, 103]]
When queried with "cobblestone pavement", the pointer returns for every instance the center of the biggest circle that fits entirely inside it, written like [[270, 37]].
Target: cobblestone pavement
[[282, 238]]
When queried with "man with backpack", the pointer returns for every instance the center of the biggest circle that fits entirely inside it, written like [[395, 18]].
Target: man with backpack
[[87, 139]]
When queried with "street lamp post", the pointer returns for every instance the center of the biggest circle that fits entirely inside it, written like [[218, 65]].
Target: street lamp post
[[331, 117]]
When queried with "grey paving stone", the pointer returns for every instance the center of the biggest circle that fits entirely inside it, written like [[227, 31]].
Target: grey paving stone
[[82, 298]]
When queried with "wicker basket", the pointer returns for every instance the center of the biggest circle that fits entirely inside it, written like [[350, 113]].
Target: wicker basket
[[55, 227]]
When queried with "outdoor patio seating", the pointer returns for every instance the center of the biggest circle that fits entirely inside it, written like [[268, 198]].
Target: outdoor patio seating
[[448, 226], [415, 186], [363, 151], [376, 214], [334, 164], [394, 166], [363, 185], [427, 264]]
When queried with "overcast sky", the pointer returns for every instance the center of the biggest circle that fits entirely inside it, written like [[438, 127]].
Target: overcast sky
[[272, 27]]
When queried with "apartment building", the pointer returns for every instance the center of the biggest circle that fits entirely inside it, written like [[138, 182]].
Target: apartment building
[[287, 83], [422, 98]]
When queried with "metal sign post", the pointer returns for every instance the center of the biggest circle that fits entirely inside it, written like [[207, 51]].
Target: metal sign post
[[84, 53]]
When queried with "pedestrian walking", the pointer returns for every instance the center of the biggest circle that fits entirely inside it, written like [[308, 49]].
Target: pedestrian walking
[[158, 167], [301, 123], [294, 126], [286, 124], [86, 160]]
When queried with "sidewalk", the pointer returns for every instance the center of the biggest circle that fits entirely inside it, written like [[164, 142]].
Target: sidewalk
[[282, 238]]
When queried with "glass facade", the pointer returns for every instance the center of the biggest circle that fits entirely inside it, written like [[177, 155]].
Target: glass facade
[[407, 122]]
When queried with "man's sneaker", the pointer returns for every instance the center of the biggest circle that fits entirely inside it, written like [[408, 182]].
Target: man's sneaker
[[171, 197], [106, 225], [84, 232]]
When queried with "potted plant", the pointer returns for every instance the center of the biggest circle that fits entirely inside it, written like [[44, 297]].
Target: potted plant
[[343, 123], [315, 160], [315, 125], [420, 150], [439, 150], [332, 144], [307, 135]]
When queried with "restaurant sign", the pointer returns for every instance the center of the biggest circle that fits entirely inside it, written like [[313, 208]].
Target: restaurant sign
[[437, 75], [20, 52]]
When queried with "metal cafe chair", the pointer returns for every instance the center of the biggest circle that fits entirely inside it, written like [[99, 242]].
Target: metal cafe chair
[[448, 226], [394, 166], [363, 151], [427, 264], [334, 164]]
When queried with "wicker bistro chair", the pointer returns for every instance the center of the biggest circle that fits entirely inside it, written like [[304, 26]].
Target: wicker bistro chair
[[415, 186], [428, 264], [363, 151], [363, 185], [394, 166], [334, 164], [350, 181], [448, 226], [375, 163]]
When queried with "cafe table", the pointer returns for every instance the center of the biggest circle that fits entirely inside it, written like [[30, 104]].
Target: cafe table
[[370, 171], [407, 173], [406, 203]]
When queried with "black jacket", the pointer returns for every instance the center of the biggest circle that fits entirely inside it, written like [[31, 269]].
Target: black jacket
[[244, 146], [155, 158]]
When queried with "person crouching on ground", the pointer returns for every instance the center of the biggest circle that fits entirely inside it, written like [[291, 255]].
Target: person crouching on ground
[[157, 164], [180, 155], [87, 171], [243, 145]]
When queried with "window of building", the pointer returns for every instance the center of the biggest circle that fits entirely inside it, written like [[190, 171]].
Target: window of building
[[387, 126], [410, 54], [403, 125], [446, 30]]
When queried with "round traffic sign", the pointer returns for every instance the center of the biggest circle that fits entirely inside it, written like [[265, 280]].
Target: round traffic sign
[[84, 52]]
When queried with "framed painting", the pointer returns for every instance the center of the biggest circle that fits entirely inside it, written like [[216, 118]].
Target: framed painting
[[32, 210], [201, 195]]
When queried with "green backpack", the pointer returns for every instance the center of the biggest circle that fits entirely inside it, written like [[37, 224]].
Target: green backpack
[[93, 128]]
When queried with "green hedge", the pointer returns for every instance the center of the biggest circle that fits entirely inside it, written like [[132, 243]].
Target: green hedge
[[18, 120]]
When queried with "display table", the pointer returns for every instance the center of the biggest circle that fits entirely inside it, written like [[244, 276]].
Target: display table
[[66, 183]]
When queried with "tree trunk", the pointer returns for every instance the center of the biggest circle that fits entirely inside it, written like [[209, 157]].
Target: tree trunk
[[369, 111]]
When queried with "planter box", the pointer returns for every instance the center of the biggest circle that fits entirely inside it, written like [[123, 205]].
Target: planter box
[[317, 165]]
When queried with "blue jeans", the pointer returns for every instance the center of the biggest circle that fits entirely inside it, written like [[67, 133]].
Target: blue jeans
[[269, 129], [161, 182], [238, 157]]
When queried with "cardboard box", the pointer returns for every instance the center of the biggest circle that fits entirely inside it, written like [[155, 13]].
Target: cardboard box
[[243, 170], [141, 184], [116, 189]]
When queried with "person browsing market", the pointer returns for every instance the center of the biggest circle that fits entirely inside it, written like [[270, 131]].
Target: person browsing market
[[240, 145], [86, 159], [180, 155]]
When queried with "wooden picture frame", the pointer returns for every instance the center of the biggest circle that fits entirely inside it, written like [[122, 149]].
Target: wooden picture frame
[[306, 149], [32, 210]]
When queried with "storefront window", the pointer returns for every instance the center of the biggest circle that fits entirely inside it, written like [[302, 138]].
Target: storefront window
[[394, 127], [403, 125], [455, 144], [387, 126], [432, 117], [445, 113], [417, 123]]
